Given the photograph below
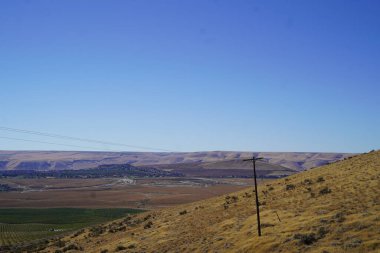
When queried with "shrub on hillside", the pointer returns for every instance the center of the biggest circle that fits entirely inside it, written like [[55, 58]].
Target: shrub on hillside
[[78, 233], [247, 195], [120, 247], [339, 217], [72, 247], [325, 191], [231, 199], [307, 239], [131, 246], [290, 187], [322, 231], [148, 225], [308, 181], [60, 244], [320, 179], [147, 217], [353, 243], [96, 231]]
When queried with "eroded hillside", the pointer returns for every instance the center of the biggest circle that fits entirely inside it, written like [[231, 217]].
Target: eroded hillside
[[334, 208], [58, 160]]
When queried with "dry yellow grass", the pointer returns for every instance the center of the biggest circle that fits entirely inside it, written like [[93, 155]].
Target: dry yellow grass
[[344, 219]]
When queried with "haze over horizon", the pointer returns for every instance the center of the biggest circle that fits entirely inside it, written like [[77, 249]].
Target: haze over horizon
[[191, 76]]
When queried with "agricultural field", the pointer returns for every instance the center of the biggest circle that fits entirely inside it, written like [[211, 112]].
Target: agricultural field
[[24, 225], [137, 193]]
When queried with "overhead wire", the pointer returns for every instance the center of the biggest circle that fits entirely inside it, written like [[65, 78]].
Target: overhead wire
[[59, 136], [60, 144], [66, 137]]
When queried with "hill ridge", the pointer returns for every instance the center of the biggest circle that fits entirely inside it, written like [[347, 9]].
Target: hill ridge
[[49, 160]]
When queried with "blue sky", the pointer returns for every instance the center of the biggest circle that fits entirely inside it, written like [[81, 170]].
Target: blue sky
[[192, 75]]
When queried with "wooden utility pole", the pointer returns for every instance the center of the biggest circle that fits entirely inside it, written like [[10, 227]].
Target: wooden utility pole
[[254, 159]]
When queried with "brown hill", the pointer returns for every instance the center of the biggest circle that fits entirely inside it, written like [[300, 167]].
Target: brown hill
[[334, 208], [56, 160], [237, 168]]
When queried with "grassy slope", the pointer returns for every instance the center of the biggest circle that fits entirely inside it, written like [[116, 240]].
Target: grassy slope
[[349, 215]]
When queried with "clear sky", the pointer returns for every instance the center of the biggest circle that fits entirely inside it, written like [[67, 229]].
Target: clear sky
[[192, 75]]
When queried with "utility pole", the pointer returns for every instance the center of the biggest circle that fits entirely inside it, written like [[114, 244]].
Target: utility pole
[[254, 159]]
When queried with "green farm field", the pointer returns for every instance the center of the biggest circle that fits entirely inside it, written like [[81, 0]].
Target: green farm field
[[21, 225]]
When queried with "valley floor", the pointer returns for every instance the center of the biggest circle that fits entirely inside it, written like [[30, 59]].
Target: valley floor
[[143, 193]]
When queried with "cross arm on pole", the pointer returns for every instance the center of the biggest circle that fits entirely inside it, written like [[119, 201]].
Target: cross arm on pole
[[254, 159]]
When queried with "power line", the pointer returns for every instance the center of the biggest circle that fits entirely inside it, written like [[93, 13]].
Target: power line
[[52, 135], [54, 143]]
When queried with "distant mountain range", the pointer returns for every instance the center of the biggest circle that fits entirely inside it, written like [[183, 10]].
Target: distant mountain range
[[189, 161]]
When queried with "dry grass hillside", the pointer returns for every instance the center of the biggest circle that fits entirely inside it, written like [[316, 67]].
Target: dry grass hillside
[[334, 208]]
